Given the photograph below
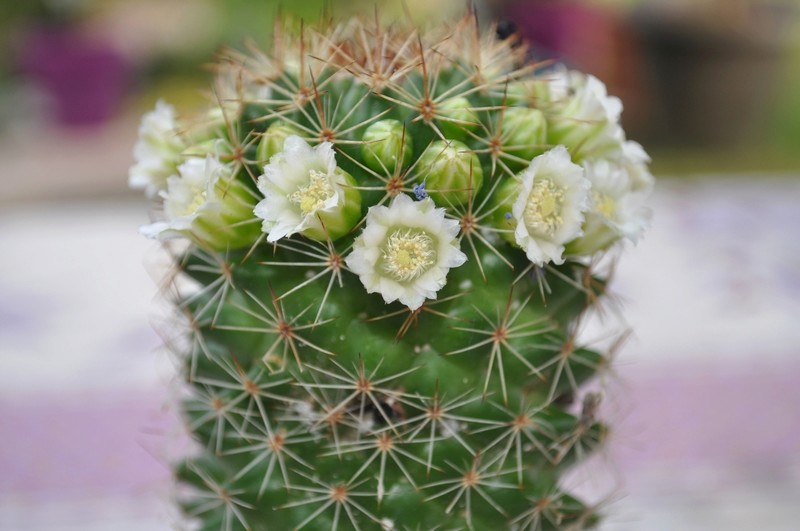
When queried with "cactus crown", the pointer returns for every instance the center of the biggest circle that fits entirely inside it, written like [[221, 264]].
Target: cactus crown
[[393, 237]]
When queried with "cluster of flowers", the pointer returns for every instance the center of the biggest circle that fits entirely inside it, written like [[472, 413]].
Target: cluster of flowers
[[572, 201]]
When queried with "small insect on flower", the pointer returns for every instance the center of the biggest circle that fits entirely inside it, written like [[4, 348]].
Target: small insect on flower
[[406, 250], [419, 191]]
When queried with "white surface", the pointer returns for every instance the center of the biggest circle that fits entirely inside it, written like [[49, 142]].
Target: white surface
[[75, 300], [718, 274]]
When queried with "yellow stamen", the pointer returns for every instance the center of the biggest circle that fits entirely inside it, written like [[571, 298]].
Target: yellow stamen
[[408, 254], [542, 214], [197, 201], [312, 196], [604, 204]]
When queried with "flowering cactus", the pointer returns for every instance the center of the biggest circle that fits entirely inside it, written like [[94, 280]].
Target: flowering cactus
[[392, 237]]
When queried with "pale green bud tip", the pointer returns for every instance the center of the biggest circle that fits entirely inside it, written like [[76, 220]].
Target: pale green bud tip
[[531, 92], [386, 143], [217, 148], [524, 132], [457, 117], [273, 138], [451, 171]]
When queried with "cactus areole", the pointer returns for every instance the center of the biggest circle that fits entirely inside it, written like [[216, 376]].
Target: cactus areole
[[384, 241]]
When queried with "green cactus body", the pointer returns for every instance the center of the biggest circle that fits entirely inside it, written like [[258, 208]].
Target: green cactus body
[[406, 367]]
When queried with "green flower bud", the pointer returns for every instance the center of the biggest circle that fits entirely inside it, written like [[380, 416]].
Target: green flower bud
[[530, 92], [451, 172], [501, 208], [598, 234], [384, 142], [217, 148], [458, 118], [524, 132], [232, 225], [216, 119], [586, 120], [272, 140]]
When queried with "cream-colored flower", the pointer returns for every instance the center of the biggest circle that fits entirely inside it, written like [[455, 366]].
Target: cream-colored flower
[[185, 197], [157, 152], [406, 250], [617, 207], [548, 210], [305, 192], [635, 160], [207, 205]]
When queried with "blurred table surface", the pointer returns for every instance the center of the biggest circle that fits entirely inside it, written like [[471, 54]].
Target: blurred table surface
[[703, 399]]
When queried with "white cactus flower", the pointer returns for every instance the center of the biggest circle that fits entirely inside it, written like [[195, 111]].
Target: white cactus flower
[[406, 251], [548, 212], [206, 204], [305, 192], [617, 207], [635, 160], [613, 199], [591, 100], [187, 195], [157, 152]]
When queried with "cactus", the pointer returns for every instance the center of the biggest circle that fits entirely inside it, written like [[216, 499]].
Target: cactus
[[384, 243]]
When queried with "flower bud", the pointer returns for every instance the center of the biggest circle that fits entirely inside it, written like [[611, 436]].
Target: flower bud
[[339, 222], [457, 118], [213, 125], [385, 141], [217, 148], [502, 204], [529, 92], [272, 140], [524, 132], [451, 171], [586, 119]]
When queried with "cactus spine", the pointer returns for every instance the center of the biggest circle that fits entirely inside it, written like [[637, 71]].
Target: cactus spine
[[384, 336]]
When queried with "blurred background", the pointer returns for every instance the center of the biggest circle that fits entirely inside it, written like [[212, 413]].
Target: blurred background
[[704, 396]]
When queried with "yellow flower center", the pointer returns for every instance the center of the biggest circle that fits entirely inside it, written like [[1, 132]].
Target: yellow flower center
[[408, 254], [604, 205], [542, 214], [198, 200], [312, 196]]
